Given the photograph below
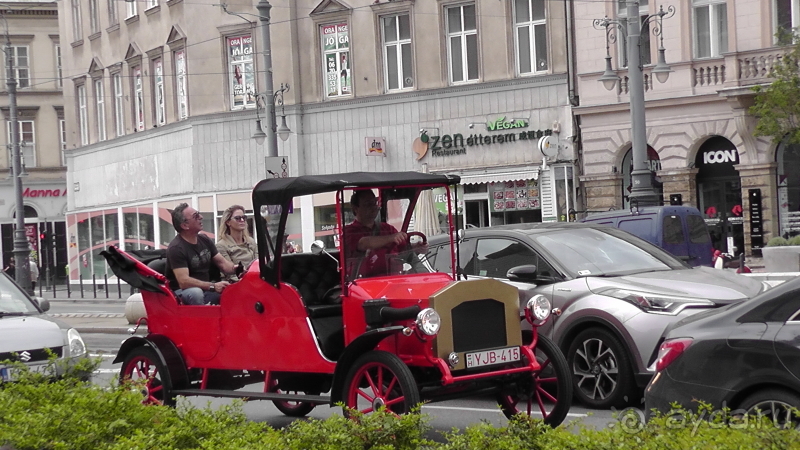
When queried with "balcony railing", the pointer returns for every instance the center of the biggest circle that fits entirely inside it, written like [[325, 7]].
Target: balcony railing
[[754, 67]]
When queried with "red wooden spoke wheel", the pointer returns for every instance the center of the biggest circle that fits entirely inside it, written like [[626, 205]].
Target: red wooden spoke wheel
[[290, 408], [380, 379], [142, 365], [547, 394]]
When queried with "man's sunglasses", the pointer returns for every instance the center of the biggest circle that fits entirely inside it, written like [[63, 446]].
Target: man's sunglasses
[[195, 216]]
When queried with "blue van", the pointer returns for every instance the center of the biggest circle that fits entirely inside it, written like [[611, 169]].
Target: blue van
[[680, 230]]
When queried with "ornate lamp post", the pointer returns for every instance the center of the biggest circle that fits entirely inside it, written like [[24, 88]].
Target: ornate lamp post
[[642, 190]]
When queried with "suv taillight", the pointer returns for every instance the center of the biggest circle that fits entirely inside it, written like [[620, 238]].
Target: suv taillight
[[670, 350]]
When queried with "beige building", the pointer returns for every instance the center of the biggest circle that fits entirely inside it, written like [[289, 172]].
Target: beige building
[[31, 28], [699, 133], [162, 101]]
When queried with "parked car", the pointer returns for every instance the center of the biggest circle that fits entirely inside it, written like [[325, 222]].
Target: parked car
[[680, 230], [612, 295], [744, 356], [31, 337], [313, 329]]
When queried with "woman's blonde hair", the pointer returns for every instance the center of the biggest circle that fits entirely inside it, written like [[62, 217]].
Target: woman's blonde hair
[[224, 229]]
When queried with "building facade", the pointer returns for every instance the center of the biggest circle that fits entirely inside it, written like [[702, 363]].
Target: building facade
[[161, 109], [32, 32], [700, 136]]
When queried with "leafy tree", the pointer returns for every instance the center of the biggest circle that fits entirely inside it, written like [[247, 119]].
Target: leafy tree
[[777, 105]]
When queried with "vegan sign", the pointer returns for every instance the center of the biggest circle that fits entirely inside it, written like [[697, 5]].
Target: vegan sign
[[456, 144]]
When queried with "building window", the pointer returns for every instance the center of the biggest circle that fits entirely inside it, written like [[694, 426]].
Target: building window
[[59, 72], [131, 9], [113, 19], [152, 3], [710, 28], [158, 91], [138, 100], [62, 136], [100, 109], [19, 60], [119, 115], [241, 72], [336, 57], [397, 52], [462, 43], [77, 26], [27, 141], [786, 16], [531, 36], [83, 117], [94, 23], [644, 39], [181, 91]]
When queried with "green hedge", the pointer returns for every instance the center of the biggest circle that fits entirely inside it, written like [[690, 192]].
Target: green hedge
[[75, 415]]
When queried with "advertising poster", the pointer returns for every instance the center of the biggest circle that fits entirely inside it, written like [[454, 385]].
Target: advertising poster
[[520, 195], [243, 84], [336, 45]]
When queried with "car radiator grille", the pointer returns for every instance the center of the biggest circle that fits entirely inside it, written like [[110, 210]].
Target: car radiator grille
[[29, 356], [478, 325]]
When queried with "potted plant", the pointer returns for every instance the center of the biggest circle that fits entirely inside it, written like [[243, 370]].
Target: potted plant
[[782, 255]]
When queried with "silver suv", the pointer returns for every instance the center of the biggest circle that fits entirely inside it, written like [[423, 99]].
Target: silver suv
[[613, 295]]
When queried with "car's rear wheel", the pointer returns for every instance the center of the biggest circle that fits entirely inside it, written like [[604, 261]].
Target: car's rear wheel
[[547, 393], [290, 408], [775, 405], [143, 368], [601, 367], [380, 379]]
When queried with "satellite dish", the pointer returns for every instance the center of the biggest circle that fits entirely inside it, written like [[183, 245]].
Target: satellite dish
[[548, 145]]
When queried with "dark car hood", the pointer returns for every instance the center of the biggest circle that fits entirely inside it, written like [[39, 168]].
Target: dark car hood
[[720, 286]]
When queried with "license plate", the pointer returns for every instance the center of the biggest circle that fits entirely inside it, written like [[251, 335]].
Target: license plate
[[10, 374], [490, 357]]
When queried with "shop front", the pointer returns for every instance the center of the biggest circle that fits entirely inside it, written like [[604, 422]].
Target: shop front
[[44, 205], [719, 194]]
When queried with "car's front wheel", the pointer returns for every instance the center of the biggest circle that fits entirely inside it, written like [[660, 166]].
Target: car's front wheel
[[601, 368], [380, 380], [548, 392]]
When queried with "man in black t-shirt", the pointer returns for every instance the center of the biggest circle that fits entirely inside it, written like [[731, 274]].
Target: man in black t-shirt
[[189, 259]]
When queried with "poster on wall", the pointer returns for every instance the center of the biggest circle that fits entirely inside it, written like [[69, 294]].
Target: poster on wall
[[336, 48], [243, 84], [520, 195]]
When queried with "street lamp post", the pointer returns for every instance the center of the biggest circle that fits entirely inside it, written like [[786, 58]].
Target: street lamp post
[[642, 190], [21, 246]]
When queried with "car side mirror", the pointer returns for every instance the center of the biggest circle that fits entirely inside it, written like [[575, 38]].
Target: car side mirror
[[43, 303], [317, 247], [524, 274]]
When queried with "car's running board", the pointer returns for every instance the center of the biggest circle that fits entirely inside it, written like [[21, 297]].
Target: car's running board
[[316, 399]]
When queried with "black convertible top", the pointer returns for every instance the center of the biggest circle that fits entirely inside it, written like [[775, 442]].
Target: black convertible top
[[277, 191]]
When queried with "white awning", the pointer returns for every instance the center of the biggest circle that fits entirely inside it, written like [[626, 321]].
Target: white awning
[[487, 176]]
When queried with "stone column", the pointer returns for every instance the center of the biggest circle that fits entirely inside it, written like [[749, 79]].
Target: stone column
[[603, 192], [761, 176], [680, 181]]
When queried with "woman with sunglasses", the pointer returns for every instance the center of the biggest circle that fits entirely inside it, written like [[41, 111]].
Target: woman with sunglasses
[[234, 241]]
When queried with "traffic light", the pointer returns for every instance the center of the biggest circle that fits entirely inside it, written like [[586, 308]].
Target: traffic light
[[44, 238]]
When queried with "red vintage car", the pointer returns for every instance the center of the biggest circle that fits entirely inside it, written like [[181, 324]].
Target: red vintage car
[[307, 329]]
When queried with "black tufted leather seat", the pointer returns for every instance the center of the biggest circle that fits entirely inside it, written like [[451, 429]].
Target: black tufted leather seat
[[312, 276]]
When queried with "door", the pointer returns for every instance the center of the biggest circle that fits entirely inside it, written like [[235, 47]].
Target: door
[[721, 202]]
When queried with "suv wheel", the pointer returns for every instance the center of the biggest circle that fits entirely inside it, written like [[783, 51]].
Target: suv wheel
[[602, 376]]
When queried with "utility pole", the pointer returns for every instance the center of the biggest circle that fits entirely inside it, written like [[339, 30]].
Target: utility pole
[[264, 8], [21, 246]]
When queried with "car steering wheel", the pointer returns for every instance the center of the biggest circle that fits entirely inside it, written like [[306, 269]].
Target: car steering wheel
[[410, 234]]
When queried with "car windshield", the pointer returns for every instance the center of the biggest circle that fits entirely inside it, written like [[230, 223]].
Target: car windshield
[[591, 252], [12, 300]]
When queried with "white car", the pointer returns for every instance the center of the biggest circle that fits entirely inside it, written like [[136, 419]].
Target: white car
[[30, 336]]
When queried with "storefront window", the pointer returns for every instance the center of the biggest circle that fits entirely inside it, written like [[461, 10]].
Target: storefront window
[[788, 158], [719, 194], [515, 202], [138, 227], [653, 163]]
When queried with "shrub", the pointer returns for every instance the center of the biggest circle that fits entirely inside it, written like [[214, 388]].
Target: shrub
[[795, 240], [777, 242]]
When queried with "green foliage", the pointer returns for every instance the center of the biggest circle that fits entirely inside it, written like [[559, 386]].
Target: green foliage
[[777, 106], [71, 414], [795, 240], [777, 242]]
